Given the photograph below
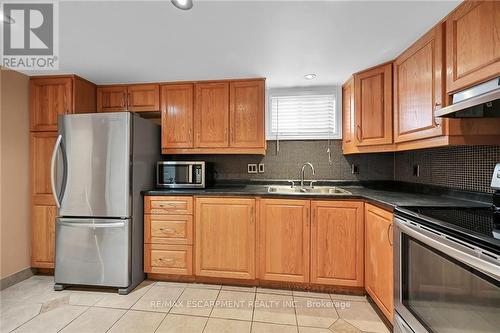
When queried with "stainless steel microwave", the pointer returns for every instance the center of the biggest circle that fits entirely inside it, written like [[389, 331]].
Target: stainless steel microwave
[[181, 174]]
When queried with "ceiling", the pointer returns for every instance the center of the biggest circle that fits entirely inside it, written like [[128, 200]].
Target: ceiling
[[148, 41]]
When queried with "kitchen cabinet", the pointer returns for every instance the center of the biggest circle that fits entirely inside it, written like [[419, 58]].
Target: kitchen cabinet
[[43, 219], [284, 240], [177, 103], [373, 106], [379, 272], [418, 88], [135, 98], [42, 145], [212, 115], [348, 128], [246, 102], [168, 235], [337, 243], [225, 237], [472, 44], [51, 96]]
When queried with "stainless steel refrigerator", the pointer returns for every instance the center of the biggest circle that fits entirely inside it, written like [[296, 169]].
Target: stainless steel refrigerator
[[100, 164]]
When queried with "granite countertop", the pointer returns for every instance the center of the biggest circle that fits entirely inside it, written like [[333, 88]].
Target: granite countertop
[[389, 196]]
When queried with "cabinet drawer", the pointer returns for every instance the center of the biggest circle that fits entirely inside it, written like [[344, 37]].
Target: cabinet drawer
[[168, 259], [168, 205], [168, 229]]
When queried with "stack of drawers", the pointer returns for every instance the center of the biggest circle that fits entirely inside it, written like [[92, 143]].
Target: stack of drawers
[[168, 235]]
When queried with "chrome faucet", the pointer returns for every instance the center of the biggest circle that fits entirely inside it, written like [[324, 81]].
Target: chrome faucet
[[302, 171]]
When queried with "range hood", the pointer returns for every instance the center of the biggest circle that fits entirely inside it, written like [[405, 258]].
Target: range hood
[[480, 101]]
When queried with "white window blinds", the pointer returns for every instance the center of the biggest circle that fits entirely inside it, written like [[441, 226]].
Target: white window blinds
[[303, 116]]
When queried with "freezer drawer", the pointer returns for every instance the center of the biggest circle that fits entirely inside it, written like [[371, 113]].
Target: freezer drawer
[[93, 252]]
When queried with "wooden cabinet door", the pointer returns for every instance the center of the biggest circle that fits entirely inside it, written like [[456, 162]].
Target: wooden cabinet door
[[43, 236], [284, 231], [211, 115], [42, 145], [379, 258], [112, 98], [337, 243], [418, 88], [143, 97], [225, 237], [246, 114], [177, 115], [472, 44], [348, 138], [49, 98], [373, 106]]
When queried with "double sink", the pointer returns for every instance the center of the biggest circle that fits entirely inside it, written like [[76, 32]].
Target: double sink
[[329, 190]]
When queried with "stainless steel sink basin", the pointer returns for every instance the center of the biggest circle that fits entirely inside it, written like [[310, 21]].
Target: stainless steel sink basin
[[330, 190]]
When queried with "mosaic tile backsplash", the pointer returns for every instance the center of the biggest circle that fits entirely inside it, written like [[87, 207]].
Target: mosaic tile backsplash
[[464, 167]]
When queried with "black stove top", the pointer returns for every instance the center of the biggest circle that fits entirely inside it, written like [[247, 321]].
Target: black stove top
[[478, 225]]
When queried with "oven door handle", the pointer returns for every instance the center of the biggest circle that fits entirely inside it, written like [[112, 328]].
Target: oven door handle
[[450, 248]]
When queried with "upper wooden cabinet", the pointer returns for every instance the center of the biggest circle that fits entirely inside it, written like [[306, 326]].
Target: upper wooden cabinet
[[348, 128], [51, 96], [137, 98], [418, 88], [379, 271], [225, 237], [472, 44], [215, 117], [337, 243], [211, 115], [246, 117], [373, 106], [177, 115], [284, 238]]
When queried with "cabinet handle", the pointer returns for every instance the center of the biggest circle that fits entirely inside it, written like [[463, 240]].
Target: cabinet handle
[[251, 215], [389, 233], [128, 101], [167, 230], [308, 217], [358, 133], [167, 260], [124, 100], [190, 136], [437, 106]]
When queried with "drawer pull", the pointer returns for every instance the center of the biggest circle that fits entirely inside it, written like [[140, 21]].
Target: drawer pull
[[167, 260], [167, 230]]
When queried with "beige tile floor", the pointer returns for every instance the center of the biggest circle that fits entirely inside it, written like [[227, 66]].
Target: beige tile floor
[[163, 307]]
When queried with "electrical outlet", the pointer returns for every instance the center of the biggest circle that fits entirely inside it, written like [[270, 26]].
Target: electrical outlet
[[252, 168], [416, 170], [261, 167], [354, 169]]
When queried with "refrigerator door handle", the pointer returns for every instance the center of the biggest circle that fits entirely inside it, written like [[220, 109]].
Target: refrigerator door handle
[[92, 225], [52, 170]]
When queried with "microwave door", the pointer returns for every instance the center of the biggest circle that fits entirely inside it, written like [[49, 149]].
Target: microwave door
[[97, 150]]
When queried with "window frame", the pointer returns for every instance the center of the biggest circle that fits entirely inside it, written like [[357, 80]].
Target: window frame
[[305, 91]]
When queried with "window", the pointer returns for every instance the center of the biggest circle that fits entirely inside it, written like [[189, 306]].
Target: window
[[303, 114]]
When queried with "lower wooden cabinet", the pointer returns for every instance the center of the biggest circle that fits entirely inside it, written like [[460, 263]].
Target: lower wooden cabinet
[[225, 237], [379, 258], [337, 243], [43, 219], [284, 238], [168, 259]]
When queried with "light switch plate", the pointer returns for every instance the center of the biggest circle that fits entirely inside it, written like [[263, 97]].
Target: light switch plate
[[252, 168], [261, 167]]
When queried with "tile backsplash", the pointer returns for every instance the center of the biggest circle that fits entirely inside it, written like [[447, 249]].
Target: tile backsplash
[[286, 163], [463, 167]]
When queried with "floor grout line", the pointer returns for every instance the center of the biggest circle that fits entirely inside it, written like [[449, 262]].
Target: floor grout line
[[170, 309], [211, 310], [74, 319]]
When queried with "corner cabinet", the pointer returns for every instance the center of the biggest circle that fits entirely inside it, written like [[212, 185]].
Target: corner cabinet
[[373, 106], [472, 44], [214, 117], [419, 88], [337, 243], [136, 98], [284, 240], [225, 237], [379, 271]]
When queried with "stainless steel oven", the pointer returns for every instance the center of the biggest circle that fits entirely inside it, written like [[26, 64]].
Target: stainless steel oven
[[181, 174], [443, 283]]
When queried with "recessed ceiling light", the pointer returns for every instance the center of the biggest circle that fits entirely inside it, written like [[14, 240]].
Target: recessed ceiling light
[[310, 76], [183, 4]]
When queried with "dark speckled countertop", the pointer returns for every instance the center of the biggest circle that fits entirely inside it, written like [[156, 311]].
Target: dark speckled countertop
[[386, 194]]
